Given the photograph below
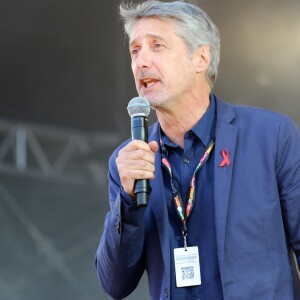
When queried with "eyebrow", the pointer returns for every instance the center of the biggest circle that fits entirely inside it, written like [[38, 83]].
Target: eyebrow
[[147, 36]]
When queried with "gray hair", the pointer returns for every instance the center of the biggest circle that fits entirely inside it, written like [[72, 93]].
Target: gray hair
[[194, 26]]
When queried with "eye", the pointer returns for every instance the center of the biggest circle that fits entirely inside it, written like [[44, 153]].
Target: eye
[[157, 45], [134, 52]]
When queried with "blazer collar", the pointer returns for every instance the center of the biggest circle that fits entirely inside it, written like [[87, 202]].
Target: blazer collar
[[158, 203]]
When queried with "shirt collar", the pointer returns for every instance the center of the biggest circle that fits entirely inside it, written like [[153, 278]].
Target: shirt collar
[[205, 127]]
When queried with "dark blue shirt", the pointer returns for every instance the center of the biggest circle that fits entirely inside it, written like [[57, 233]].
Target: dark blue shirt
[[201, 222]]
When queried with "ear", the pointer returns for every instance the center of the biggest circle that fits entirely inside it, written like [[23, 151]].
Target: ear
[[202, 58]]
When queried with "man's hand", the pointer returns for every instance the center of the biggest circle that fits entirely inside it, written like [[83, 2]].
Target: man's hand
[[136, 161]]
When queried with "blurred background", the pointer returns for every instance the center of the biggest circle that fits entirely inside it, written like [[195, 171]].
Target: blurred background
[[65, 83]]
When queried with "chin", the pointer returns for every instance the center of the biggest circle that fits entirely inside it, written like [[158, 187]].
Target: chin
[[156, 99], [162, 101]]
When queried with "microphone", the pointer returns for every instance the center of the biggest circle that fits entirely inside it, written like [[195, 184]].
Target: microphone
[[139, 110]]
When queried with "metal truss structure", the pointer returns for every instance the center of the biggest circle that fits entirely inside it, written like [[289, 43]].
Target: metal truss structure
[[56, 153]]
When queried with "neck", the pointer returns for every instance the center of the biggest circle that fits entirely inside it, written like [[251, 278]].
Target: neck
[[181, 116]]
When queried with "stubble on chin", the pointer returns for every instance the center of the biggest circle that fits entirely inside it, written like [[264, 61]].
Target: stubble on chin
[[159, 100]]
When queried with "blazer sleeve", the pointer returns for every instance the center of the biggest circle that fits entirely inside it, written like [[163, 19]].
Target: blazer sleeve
[[119, 258], [288, 177]]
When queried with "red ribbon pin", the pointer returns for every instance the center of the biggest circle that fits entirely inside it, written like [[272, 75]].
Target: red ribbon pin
[[226, 160]]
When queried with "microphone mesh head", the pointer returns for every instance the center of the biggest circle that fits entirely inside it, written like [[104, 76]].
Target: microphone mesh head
[[138, 106]]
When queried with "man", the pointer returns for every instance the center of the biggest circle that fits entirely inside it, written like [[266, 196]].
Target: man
[[236, 170]]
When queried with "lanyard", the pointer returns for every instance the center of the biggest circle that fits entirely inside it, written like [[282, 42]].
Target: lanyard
[[176, 195]]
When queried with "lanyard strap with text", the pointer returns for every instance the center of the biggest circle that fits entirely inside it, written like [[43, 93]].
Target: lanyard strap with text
[[176, 195]]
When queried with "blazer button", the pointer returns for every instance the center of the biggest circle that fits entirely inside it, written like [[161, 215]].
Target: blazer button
[[166, 293]]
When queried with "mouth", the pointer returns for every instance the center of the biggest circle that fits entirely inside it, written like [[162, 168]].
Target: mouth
[[148, 82]]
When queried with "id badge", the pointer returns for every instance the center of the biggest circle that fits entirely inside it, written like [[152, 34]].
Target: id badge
[[187, 266]]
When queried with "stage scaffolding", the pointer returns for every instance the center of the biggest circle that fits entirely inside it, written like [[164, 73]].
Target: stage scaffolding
[[48, 227], [54, 153]]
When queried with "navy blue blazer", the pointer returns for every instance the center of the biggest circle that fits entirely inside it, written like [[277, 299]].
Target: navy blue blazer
[[257, 214]]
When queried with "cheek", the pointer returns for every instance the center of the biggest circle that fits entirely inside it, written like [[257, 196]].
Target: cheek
[[173, 72], [133, 67], [134, 73]]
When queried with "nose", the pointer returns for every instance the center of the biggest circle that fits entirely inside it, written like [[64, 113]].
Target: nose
[[143, 60]]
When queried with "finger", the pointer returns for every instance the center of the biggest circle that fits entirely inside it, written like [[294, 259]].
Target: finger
[[135, 145], [137, 154], [125, 163], [129, 175]]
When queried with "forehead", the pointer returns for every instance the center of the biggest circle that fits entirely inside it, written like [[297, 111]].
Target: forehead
[[152, 27]]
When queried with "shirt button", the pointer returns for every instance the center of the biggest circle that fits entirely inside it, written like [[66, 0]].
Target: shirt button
[[186, 160], [166, 293]]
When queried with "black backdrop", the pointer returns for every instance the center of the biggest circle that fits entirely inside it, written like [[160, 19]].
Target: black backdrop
[[66, 63]]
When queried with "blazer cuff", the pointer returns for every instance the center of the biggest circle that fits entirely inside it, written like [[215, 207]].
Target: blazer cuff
[[126, 198]]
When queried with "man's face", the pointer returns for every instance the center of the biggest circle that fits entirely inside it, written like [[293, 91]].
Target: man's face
[[162, 67]]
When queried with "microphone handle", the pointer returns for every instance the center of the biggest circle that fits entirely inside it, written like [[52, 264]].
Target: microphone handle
[[139, 131], [142, 190]]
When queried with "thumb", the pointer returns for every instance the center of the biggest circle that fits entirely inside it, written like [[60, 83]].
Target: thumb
[[153, 146]]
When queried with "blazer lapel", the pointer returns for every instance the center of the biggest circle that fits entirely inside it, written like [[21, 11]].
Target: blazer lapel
[[226, 136], [158, 204]]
